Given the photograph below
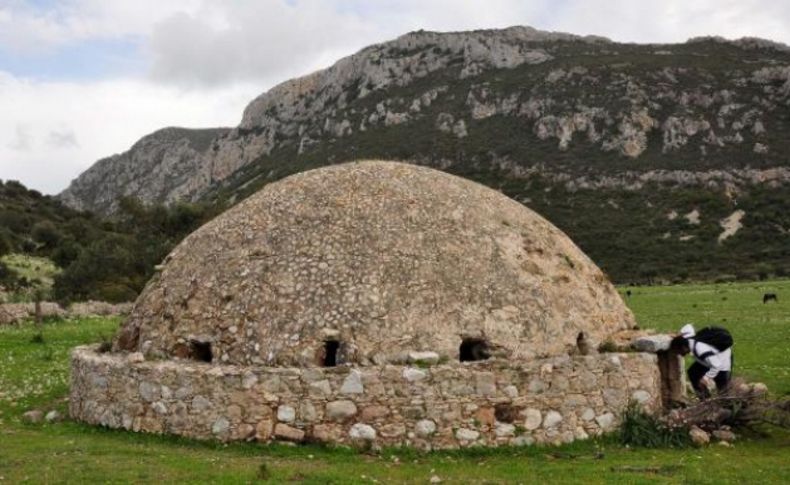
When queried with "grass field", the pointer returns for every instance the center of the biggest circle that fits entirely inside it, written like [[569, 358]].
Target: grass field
[[40, 272], [36, 375]]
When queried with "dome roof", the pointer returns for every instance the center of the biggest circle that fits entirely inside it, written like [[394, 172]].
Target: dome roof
[[372, 260]]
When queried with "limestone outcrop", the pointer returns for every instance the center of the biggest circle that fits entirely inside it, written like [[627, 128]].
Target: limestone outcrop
[[560, 96]]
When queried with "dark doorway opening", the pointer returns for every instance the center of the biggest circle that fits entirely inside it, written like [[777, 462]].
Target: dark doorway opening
[[201, 351], [473, 349], [330, 352]]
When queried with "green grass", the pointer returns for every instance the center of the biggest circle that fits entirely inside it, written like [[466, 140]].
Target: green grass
[[761, 331], [40, 271], [35, 375]]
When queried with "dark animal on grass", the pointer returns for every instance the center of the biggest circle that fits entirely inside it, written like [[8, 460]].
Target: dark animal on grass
[[770, 296], [628, 293]]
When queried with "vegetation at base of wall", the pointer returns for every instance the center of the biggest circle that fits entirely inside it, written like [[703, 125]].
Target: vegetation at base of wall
[[36, 376], [644, 430]]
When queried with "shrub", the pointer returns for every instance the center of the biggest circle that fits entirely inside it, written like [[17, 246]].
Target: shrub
[[46, 233], [644, 430]]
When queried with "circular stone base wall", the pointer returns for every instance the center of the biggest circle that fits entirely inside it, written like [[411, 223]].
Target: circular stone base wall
[[443, 406]]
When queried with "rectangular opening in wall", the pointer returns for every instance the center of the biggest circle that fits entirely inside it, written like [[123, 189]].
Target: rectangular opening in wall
[[330, 353], [201, 351], [473, 349]]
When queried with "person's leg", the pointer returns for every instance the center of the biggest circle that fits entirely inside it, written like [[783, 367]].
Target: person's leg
[[695, 374], [722, 380]]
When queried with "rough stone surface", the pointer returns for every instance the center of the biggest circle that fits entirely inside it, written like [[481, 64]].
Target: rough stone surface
[[652, 343], [533, 419], [464, 434], [606, 421], [368, 253], [212, 402], [34, 416], [425, 427], [52, 416], [362, 432], [288, 433], [724, 435], [340, 410], [352, 384], [413, 375], [429, 358], [552, 419], [699, 437], [286, 414]]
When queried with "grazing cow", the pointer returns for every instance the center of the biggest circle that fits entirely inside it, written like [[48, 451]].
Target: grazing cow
[[770, 296]]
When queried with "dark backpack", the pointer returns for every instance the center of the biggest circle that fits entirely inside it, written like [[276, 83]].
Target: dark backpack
[[717, 337]]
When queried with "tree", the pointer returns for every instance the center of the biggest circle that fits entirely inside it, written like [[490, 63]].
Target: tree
[[45, 232]]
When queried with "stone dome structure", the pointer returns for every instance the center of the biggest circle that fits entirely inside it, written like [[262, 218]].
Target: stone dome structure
[[335, 306], [366, 262]]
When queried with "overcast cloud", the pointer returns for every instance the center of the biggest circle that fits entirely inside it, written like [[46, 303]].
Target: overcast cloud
[[83, 79]]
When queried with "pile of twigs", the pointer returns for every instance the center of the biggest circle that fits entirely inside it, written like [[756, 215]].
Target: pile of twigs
[[742, 406]]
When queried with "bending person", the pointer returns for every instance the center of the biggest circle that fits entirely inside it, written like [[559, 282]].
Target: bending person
[[712, 351]]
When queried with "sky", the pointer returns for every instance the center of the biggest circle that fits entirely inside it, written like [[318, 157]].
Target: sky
[[84, 79]]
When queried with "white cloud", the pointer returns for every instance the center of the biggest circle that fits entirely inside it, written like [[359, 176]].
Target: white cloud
[[203, 60], [41, 122], [20, 140], [27, 28], [62, 138]]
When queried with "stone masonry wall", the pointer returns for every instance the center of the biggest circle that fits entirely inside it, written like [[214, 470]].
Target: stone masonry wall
[[443, 406]]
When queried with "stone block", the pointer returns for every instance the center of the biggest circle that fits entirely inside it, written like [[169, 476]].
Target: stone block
[[392, 430], [286, 414], [640, 396], [485, 416], [52, 416], [327, 433], [504, 429], [412, 374], [200, 403], [248, 380], [340, 410], [362, 432], [552, 419], [34, 416], [220, 427], [427, 358], [288, 433], [533, 419], [319, 388], [465, 434], [485, 383], [352, 384], [372, 413], [425, 428], [263, 430], [651, 343], [149, 391], [605, 421], [588, 414]]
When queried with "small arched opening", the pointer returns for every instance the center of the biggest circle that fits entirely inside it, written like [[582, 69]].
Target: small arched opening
[[582, 344], [474, 349]]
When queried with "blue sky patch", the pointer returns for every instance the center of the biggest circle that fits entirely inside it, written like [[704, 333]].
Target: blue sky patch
[[88, 60]]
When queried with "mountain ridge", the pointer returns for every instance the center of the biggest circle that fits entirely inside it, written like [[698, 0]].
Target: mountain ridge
[[534, 114]]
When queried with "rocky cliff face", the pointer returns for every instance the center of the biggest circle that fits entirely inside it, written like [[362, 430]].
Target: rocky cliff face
[[153, 170], [533, 113]]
